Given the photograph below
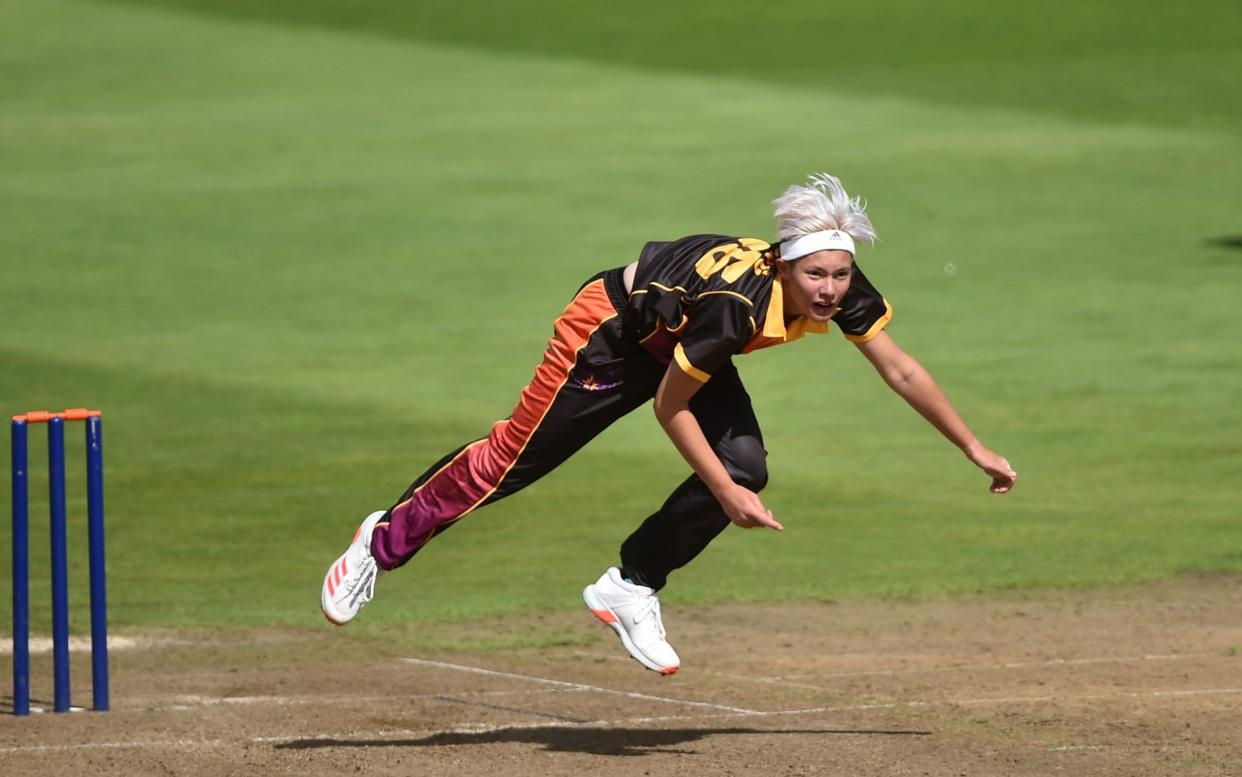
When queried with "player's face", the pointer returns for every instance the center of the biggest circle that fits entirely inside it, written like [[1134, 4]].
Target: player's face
[[815, 284]]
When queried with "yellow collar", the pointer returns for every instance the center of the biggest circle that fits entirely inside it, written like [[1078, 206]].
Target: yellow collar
[[774, 324]]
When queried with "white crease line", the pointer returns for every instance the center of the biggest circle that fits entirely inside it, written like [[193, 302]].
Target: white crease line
[[1071, 748], [40, 645], [1192, 693], [181, 703], [354, 736], [909, 705], [190, 703], [1083, 697], [579, 686], [1012, 665], [188, 743], [779, 680], [749, 678], [790, 681], [107, 745], [766, 680], [916, 705]]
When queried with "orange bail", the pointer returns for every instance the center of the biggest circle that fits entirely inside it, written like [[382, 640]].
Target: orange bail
[[43, 416]]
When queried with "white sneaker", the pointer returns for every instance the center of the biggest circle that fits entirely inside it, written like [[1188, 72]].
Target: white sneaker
[[633, 611], [350, 582]]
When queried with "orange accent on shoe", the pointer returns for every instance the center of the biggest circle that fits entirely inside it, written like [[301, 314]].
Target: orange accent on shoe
[[670, 670], [605, 616]]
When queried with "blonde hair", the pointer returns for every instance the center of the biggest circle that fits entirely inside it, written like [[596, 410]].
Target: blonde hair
[[818, 207]]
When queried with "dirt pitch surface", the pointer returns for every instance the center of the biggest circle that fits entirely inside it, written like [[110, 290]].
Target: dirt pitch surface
[[1135, 680]]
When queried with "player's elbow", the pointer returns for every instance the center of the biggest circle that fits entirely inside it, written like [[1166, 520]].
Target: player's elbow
[[665, 407], [900, 372], [903, 377]]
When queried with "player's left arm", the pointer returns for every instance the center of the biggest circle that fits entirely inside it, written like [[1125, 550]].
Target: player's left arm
[[914, 383], [672, 408]]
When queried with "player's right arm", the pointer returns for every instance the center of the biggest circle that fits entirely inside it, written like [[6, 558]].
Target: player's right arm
[[672, 408], [914, 383]]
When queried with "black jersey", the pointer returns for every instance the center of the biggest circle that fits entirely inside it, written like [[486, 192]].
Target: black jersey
[[702, 299]]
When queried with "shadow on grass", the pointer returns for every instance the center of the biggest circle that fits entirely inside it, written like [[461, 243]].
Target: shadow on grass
[[1228, 241], [593, 741]]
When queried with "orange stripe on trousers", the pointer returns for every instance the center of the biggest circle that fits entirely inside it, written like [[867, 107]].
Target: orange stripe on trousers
[[475, 473]]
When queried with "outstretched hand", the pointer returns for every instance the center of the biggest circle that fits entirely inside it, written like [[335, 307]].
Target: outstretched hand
[[745, 509], [995, 465]]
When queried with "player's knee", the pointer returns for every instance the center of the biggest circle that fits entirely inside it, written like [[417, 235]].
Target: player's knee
[[747, 462]]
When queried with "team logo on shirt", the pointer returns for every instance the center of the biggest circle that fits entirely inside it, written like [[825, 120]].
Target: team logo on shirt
[[732, 260], [590, 382]]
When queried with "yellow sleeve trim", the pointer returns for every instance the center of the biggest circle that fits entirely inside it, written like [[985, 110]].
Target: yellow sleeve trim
[[679, 354], [730, 293], [876, 328]]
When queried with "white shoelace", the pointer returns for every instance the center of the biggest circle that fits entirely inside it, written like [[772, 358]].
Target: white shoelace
[[650, 607], [361, 594]]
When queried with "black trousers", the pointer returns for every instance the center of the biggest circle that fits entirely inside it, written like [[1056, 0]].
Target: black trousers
[[592, 374]]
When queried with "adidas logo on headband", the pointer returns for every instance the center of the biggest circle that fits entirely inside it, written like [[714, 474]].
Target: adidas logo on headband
[[832, 240]]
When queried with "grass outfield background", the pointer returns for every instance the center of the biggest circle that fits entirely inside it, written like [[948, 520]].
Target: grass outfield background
[[298, 250]]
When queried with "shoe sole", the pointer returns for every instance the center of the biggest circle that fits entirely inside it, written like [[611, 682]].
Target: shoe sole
[[325, 601], [607, 616]]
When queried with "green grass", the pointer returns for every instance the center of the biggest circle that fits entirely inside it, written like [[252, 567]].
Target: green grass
[[257, 235]]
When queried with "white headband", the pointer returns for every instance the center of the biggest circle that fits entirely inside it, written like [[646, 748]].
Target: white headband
[[832, 240]]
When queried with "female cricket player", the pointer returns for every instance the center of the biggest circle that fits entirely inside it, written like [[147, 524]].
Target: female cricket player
[[666, 327]]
